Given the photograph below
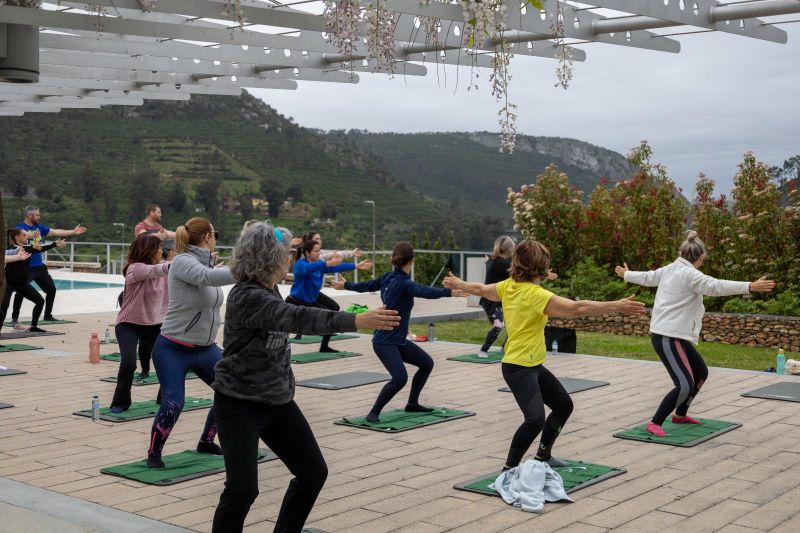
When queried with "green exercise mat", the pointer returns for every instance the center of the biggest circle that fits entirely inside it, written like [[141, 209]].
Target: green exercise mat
[[114, 357], [142, 410], [577, 476], [17, 348], [26, 334], [313, 357], [10, 371], [5, 405], [152, 379], [399, 420], [684, 435], [44, 322], [494, 357], [314, 339], [181, 466]]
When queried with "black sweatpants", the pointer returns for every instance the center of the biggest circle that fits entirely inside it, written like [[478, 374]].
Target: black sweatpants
[[22, 290], [41, 276], [129, 336], [533, 388], [323, 302], [687, 370], [284, 429]]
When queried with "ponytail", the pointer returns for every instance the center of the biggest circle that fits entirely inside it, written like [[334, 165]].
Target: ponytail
[[192, 232], [181, 239]]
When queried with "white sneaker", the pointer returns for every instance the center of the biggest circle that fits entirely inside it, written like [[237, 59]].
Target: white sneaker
[[483, 354]]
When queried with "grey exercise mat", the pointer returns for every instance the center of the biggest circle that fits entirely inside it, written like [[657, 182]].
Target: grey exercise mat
[[345, 380], [5, 405], [573, 385], [25, 334], [788, 391], [10, 371]]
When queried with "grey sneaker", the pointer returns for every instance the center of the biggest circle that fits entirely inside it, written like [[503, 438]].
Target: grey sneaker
[[556, 463]]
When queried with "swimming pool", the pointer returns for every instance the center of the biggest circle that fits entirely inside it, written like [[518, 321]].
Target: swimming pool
[[74, 285]]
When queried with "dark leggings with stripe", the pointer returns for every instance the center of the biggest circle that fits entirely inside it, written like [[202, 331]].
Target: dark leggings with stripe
[[687, 370], [533, 388]]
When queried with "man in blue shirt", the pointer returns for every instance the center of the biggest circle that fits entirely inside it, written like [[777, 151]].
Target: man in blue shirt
[[38, 270]]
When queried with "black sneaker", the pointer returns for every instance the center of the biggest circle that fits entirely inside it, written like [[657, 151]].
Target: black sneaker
[[50, 319], [209, 447], [155, 462], [36, 329]]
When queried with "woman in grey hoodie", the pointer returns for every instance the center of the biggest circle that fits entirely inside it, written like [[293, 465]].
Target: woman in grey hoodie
[[254, 384], [187, 340]]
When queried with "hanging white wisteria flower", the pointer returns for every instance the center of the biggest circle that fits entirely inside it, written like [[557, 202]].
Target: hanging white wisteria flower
[[564, 54], [341, 26], [499, 81], [380, 25]]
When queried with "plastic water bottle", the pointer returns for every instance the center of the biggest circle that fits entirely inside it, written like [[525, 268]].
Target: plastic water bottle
[[107, 336], [95, 408], [94, 349], [781, 362], [554, 347], [431, 332]]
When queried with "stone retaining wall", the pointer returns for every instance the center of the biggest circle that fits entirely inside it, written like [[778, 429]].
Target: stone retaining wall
[[749, 330]]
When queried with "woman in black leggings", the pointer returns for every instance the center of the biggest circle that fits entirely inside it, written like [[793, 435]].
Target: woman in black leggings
[[527, 306], [497, 268], [254, 384]]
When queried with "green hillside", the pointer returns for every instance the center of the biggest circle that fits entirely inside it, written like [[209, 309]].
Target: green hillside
[[467, 170]]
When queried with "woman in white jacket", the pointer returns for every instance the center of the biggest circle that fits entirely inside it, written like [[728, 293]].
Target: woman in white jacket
[[676, 322]]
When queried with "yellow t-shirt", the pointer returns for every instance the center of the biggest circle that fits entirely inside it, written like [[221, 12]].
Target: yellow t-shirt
[[523, 314]]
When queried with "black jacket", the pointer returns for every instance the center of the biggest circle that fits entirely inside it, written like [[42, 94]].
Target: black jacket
[[256, 361]]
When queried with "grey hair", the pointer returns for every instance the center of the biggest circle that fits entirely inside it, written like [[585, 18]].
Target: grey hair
[[503, 247], [30, 209], [259, 255], [692, 247]]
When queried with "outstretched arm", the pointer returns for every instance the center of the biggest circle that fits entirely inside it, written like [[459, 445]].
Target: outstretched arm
[[489, 292], [77, 230], [565, 308], [719, 287], [651, 278]]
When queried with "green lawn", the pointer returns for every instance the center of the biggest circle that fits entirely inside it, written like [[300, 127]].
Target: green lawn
[[628, 347]]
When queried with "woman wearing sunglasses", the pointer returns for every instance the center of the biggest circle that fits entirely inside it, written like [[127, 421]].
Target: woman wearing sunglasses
[[189, 332]]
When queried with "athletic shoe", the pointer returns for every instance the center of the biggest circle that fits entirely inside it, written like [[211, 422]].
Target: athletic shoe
[[36, 329], [557, 463], [209, 447], [684, 420], [18, 326], [50, 318], [483, 354], [118, 409], [155, 462], [418, 408], [655, 429], [144, 375]]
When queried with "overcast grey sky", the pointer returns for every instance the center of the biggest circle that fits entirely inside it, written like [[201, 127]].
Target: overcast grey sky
[[700, 109]]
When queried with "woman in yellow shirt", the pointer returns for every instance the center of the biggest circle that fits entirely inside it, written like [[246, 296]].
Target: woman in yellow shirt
[[526, 306]]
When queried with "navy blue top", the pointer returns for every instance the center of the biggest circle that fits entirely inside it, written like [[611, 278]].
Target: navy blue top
[[309, 276], [41, 232], [398, 291]]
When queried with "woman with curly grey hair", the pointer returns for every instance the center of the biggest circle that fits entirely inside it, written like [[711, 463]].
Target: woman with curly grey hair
[[254, 384]]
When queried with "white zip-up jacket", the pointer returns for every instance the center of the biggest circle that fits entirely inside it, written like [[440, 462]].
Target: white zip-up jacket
[[678, 310]]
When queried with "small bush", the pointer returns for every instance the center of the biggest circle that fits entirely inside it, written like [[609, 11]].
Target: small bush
[[786, 303]]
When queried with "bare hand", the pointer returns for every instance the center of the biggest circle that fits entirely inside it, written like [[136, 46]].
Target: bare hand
[[620, 270], [629, 306], [357, 252], [551, 275], [335, 260], [762, 284], [380, 318], [79, 230], [364, 265], [60, 243], [162, 235], [338, 284], [455, 293], [219, 265], [453, 282], [22, 254]]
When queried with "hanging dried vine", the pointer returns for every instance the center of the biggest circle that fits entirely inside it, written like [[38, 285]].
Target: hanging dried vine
[[499, 80], [564, 54], [380, 26], [342, 19]]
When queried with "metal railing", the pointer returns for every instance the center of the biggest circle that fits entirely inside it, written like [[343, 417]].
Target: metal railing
[[111, 256]]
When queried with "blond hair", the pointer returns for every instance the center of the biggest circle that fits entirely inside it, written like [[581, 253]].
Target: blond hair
[[503, 247], [530, 262], [191, 232]]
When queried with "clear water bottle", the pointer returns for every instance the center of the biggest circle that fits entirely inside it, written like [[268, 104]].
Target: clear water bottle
[[107, 336], [431, 332], [554, 347], [781, 362], [95, 408]]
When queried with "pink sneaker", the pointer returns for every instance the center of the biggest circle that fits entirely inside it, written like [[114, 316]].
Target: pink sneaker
[[684, 420], [655, 429], [21, 327]]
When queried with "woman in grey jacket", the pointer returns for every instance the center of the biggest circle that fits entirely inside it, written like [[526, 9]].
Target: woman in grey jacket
[[187, 340], [254, 384], [676, 322]]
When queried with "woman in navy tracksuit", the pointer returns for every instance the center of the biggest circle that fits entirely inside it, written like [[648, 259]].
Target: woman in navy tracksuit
[[398, 291]]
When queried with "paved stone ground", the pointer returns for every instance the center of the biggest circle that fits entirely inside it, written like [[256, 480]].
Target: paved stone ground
[[745, 480]]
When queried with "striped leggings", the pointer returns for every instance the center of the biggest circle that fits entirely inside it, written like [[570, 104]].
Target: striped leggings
[[687, 370]]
